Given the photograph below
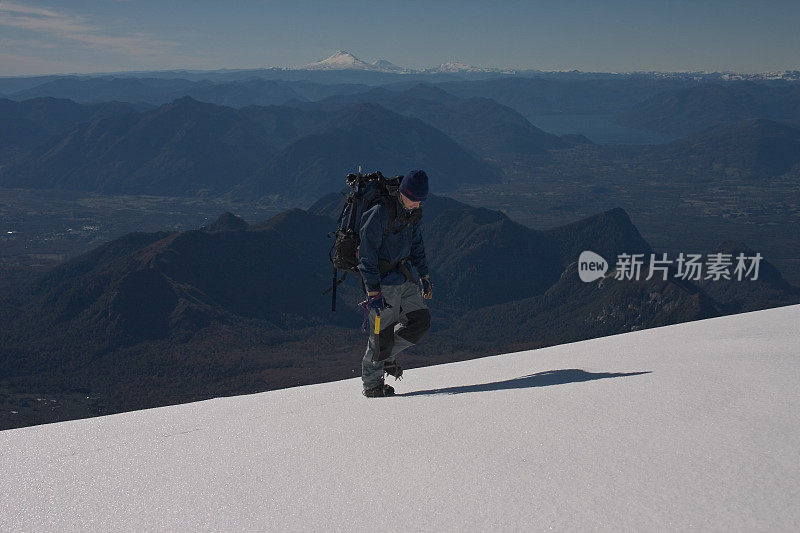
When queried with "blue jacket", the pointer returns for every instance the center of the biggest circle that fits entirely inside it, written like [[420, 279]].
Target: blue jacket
[[396, 246]]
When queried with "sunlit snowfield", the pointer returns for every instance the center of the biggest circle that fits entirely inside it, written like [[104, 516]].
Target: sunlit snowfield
[[691, 426]]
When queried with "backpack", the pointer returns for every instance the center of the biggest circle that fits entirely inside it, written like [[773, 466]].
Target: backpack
[[366, 190]]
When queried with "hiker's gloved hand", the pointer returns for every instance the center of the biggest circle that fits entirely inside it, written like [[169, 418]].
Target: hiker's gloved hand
[[376, 301], [427, 287]]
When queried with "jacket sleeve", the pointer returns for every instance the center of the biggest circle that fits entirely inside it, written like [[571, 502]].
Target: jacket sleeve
[[418, 251], [371, 234]]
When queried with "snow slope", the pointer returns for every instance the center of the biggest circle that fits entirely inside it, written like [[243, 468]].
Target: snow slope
[[687, 427]]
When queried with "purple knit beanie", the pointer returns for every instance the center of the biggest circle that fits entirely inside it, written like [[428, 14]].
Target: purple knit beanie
[[415, 185]]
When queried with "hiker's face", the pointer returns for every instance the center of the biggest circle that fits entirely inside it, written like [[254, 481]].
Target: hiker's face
[[408, 203]]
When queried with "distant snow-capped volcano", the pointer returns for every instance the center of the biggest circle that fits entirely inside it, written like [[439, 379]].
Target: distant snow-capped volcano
[[455, 66], [343, 60], [388, 66]]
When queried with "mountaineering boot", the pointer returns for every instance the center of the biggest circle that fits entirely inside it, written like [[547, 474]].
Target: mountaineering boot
[[392, 368], [379, 391]]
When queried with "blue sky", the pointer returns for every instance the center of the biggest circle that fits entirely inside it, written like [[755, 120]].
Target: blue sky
[[40, 37]]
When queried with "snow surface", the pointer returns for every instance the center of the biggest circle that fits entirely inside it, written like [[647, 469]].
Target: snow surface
[[700, 432]]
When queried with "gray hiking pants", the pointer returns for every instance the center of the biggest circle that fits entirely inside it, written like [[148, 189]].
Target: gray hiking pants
[[402, 325]]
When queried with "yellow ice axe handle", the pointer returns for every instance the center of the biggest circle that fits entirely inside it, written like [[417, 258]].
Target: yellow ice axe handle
[[377, 324]]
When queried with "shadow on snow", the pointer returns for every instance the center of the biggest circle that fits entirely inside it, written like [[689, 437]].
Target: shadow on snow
[[541, 379]]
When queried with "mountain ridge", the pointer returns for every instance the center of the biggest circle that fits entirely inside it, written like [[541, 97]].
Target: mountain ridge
[[153, 319]]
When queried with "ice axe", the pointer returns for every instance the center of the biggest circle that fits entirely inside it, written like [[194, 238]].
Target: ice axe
[[377, 330]]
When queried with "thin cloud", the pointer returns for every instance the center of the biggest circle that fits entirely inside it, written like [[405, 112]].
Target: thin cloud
[[78, 29], [17, 8]]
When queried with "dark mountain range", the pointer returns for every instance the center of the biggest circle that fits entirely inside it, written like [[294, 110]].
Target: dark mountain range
[[759, 147], [240, 92], [506, 261], [499, 249], [56, 115], [768, 290], [188, 147], [692, 109], [285, 124], [185, 147], [93, 89], [481, 257], [149, 285], [261, 92], [312, 91], [18, 135], [571, 310], [479, 124], [154, 319], [25, 125], [674, 105], [227, 222], [609, 234], [532, 96], [373, 137], [15, 85], [299, 76]]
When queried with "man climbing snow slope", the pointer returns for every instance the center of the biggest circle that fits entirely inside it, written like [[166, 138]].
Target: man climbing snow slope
[[392, 292]]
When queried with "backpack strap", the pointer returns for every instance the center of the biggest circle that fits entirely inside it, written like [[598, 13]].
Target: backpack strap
[[386, 266], [391, 206]]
